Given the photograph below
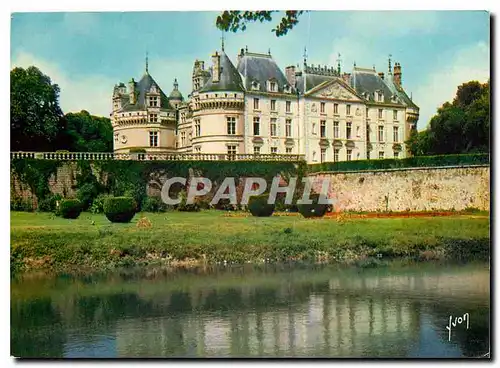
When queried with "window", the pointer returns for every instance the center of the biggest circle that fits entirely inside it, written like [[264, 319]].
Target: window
[[231, 125], [183, 139], [116, 137], [256, 150], [396, 134], [380, 113], [336, 152], [288, 127], [288, 150], [256, 126], [197, 149], [273, 128], [197, 128], [288, 106], [349, 154], [153, 139], [348, 109], [381, 154], [153, 118], [380, 96], [255, 103], [322, 108], [313, 128], [368, 154], [153, 101], [381, 133], [348, 130], [273, 105], [272, 86], [335, 129], [367, 111], [231, 152], [274, 150], [335, 108], [323, 128], [323, 155], [395, 115], [396, 154]]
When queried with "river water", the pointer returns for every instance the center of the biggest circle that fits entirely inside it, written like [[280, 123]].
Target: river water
[[255, 311]]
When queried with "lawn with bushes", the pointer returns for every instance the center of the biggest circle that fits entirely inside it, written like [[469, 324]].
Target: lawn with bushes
[[44, 241]]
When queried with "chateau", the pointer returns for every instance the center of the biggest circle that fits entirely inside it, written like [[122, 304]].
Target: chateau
[[251, 107]]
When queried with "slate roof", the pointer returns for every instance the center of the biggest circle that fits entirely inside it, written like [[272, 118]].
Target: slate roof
[[261, 68], [143, 87], [230, 79], [311, 81]]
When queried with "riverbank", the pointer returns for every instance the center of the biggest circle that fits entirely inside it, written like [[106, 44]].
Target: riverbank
[[41, 241]]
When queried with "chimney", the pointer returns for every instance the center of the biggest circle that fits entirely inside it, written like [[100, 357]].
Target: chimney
[[346, 77], [131, 92], [397, 74], [381, 75], [290, 75], [216, 67]]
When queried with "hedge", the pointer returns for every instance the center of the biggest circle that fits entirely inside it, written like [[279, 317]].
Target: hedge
[[415, 161], [69, 208], [119, 209], [314, 209], [258, 206]]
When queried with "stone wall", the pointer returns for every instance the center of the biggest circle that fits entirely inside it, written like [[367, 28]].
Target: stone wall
[[414, 189]]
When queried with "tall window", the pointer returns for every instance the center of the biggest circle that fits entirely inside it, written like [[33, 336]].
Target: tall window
[[274, 150], [395, 114], [336, 133], [153, 118], [396, 154], [153, 101], [367, 111], [231, 152], [313, 128], [255, 103], [379, 96], [335, 108], [336, 152], [288, 150], [183, 139], [273, 128], [348, 130], [380, 133], [380, 113], [323, 155], [349, 154], [231, 125], [348, 109], [272, 86], [395, 134], [368, 154], [256, 126], [198, 149], [288, 106], [322, 108], [273, 105], [323, 128], [256, 150], [153, 139], [288, 127], [381, 155], [197, 128]]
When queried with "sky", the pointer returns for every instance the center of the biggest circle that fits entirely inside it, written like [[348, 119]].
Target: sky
[[86, 54]]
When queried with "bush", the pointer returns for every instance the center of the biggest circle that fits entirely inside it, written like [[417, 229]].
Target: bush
[[259, 207], [49, 204], [119, 209], [87, 193], [70, 208], [19, 204], [183, 206], [154, 204], [98, 203], [137, 150], [314, 209]]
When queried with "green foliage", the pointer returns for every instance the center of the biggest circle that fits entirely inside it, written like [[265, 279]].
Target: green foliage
[[35, 173], [462, 126], [35, 115], [416, 161], [154, 204], [237, 20], [20, 204], [314, 209], [98, 203], [70, 208], [258, 206], [119, 209], [49, 204], [185, 207], [137, 150], [88, 133], [88, 186]]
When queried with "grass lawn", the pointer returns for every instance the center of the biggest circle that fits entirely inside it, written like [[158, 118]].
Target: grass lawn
[[41, 240]]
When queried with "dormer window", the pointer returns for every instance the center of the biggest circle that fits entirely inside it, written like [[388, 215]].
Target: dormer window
[[287, 88], [380, 96], [153, 101], [255, 86], [272, 87]]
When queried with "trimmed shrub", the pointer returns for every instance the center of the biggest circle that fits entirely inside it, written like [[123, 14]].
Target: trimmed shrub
[[70, 208], [314, 209], [258, 206], [119, 209], [49, 204], [154, 204], [98, 203], [137, 150]]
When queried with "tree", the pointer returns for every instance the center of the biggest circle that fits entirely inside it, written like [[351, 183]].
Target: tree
[[237, 20], [460, 126], [35, 115], [88, 133]]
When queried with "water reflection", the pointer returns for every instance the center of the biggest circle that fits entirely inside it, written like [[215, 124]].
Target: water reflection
[[320, 312]]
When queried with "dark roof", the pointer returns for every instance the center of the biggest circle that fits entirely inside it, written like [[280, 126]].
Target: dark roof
[[261, 68], [368, 81], [142, 87], [311, 81], [230, 79]]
